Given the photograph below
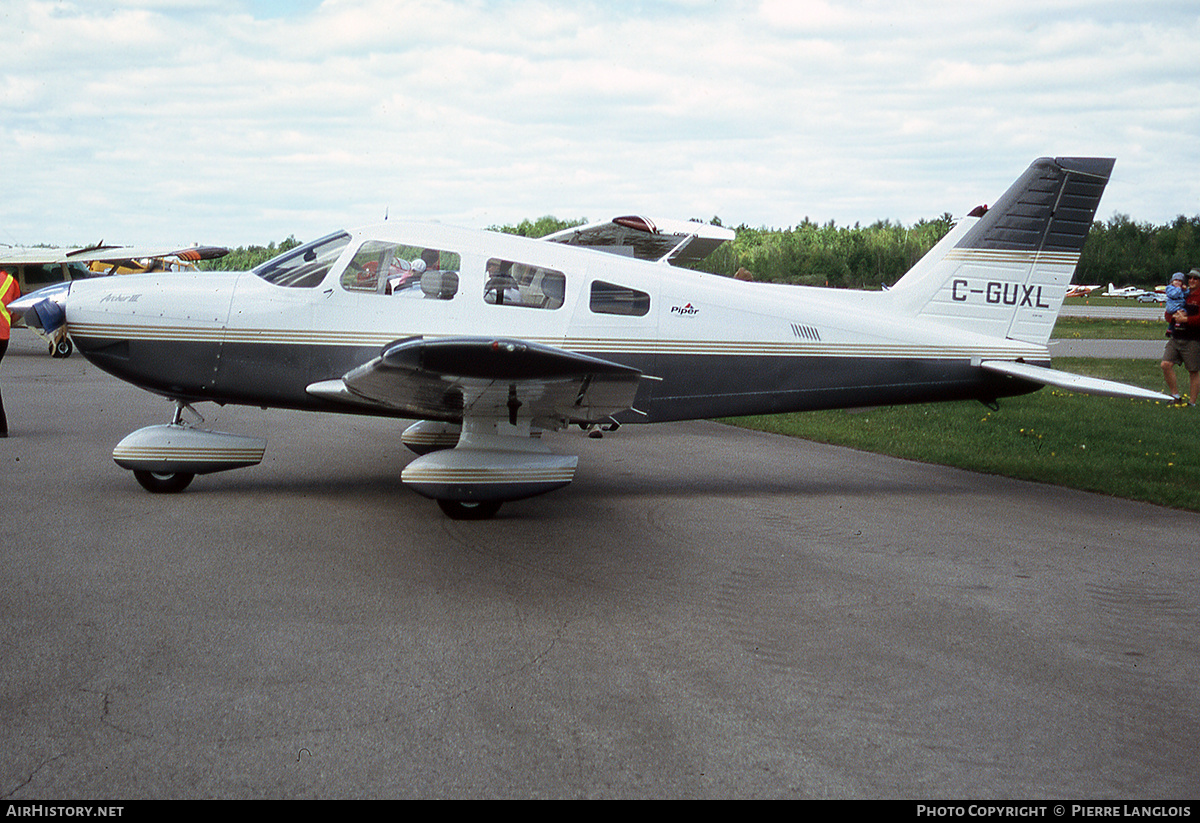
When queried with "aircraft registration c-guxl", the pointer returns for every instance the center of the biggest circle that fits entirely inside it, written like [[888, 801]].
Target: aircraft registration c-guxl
[[490, 340]]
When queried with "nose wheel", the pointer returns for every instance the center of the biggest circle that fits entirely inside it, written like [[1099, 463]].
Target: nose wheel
[[461, 510], [166, 458], [163, 482]]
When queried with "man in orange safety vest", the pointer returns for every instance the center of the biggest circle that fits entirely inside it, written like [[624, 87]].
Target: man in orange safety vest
[[9, 291]]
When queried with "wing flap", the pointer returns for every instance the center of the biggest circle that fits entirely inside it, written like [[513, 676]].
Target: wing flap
[[449, 378], [1072, 382]]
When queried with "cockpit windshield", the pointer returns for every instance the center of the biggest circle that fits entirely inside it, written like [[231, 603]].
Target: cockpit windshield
[[304, 267]]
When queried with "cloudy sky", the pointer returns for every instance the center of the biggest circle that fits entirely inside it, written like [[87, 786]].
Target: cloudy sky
[[237, 122]]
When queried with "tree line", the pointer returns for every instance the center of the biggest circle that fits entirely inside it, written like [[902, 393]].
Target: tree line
[[244, 258], [1120, 251]]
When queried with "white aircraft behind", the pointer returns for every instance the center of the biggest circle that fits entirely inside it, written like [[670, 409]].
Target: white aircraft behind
[[38, 265], [1128, 291], [491, 340], [41, 264]]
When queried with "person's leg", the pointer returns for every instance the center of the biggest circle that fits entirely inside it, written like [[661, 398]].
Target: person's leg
[[1189, 351], [3, 419], [1168, 370]]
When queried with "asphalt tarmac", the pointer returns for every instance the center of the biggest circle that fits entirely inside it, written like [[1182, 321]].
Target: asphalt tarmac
[[705, 613]]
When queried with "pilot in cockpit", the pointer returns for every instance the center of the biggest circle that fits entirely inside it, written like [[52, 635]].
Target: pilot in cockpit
[[501, 286]]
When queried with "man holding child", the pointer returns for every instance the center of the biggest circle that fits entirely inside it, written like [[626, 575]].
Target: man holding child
[[1183, 344]]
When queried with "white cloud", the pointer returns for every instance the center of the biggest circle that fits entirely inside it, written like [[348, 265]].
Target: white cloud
[[237, 122]]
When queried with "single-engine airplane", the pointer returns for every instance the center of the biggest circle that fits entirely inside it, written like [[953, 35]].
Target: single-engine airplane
[[1127, 291], [36, 266], [490, 340]]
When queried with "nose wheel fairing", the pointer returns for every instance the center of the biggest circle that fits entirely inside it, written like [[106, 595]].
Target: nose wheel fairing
[[165, 458]]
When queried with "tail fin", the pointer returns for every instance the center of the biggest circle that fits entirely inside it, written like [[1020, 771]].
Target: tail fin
[[1004, 271]]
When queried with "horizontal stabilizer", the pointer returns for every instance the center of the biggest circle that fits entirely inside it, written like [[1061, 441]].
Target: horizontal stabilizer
[[1073, 382]]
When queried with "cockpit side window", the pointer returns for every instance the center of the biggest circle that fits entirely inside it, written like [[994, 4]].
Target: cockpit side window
[[394, 269], [304, 267], [509, 283], [609, 298]]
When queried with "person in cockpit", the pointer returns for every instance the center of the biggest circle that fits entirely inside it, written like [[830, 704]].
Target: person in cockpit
[[501, 288]]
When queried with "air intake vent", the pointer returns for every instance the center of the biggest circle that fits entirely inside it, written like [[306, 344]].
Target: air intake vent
[[806, 333]]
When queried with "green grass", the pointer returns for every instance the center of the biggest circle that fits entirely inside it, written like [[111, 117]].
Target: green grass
[[1126, 448], [1088, 328]]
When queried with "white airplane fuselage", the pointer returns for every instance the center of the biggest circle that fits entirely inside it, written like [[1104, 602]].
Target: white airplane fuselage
[[719, 347]]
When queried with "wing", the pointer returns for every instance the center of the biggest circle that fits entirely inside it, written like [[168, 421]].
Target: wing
[[673, 241], [118, 254], [456, 377], [31, 257], [101, 253]]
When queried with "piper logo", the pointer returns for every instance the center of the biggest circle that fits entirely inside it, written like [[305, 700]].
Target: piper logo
[[689, 309]]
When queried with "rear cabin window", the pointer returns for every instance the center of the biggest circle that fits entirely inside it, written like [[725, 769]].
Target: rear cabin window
[[304, 267], [609, 298], [397, 270], [509, 283]]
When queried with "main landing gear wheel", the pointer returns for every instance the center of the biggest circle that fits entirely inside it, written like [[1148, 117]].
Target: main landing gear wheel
[[163, 482], [62, 348], [461, 510]]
